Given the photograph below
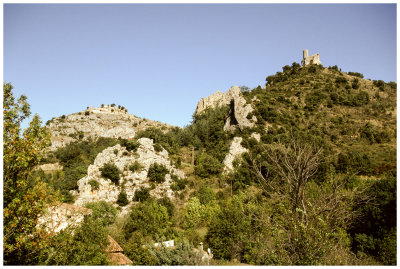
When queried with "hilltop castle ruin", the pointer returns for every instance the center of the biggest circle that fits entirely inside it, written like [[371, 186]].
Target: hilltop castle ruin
[[307, 60]]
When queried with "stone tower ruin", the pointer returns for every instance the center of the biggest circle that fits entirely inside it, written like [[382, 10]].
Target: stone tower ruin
[[307, 60]]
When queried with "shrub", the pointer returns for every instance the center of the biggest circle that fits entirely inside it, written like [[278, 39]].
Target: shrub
[[207, 165], [85, 246], [66, 197], [205, 194], [375, 232], [362, 98], [110, 171], [165, 201], [157, 147], [355, 74], [115, 151], [94, 184], [103, 212], [193, 212], [136, 166], [87, 113], [355, 84], [122, 199], [178, 184], [157, 173], [149, 218], [130, 145], [341, 80], [142, 194]]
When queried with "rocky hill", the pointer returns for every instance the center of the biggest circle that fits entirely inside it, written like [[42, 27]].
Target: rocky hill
[[303, 164], [130, 181], [106, 121]]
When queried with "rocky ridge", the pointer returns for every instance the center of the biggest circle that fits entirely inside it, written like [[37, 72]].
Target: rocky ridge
[[97, 122], [129, 181], [239, 109]]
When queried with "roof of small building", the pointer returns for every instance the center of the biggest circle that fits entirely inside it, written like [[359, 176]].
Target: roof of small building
[[113, 246], [119, 258], [115, 253]]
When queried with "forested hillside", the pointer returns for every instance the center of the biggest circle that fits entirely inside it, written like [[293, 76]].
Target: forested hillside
[[315, 185]]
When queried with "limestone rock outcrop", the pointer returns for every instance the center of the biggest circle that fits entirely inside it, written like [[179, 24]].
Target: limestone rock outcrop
[[235, 151], [60, 216], [129, 181], [239, 109], [97, 122]]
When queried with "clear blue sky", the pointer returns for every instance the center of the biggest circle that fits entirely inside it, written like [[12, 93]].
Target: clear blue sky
[[159, 60]]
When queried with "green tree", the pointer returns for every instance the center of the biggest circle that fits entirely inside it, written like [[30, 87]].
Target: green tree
[[150, 218], [157, 172], [24, 197], [84, 245], [103, 212], [193, 212], [205, 194], [122, 199], [228, 234], [207, 165], [111, 171]]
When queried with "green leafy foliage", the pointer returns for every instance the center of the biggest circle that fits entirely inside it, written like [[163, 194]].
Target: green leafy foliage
[[24, 197], [356, 74], [178, 184], [375, 233], [157, 173], [102, 212], [84, 246], [142, 194], [205, 195], [130, 145], [76, 158], [122, 199], [207, 165], [110, 171], [150, 218], [135, 167], [94, 184]]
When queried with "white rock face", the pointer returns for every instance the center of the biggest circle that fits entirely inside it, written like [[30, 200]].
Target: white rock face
[[108, 191], [235, 150], [256, 136], [239, 109], [217, 99], [101, 122], [60, 216]]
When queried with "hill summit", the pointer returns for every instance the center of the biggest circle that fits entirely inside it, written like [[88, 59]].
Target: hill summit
[[94, 122]]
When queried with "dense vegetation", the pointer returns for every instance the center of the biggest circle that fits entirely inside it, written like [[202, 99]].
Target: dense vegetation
[[319, 188]]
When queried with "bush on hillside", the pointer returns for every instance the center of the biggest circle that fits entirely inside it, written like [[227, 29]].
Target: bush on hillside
[[157, 173], [207, 165], [110, 171], [122, 199]]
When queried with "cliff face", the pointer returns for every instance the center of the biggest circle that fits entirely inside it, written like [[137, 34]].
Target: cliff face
[[97, 122], [239, 109], [129, 181]]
